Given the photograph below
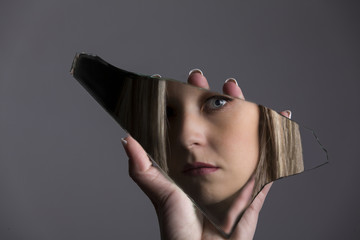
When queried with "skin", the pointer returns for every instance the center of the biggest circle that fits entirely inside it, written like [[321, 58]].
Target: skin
[[176, 215], [211, 128]]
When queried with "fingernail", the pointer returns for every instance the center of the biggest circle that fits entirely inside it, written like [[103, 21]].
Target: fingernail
[[196, 70], [232, 80], [289, 113], [156, 76], [124, 142]]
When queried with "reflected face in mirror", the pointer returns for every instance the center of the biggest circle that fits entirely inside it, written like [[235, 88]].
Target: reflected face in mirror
[[220, 150], [213, 145]]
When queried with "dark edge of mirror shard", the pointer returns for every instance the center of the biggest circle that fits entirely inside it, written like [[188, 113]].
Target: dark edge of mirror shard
[[89, 69]]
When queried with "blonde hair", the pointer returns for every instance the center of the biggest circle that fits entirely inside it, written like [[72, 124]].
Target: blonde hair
[[280, 148], [141, 110]]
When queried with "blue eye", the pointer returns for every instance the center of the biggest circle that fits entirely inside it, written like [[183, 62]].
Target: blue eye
[[216, 102]]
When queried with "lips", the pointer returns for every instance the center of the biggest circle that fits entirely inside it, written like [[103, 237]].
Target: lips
[[199, 169]]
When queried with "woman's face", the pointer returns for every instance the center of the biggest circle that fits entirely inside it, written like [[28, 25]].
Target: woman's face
[[213, 142]]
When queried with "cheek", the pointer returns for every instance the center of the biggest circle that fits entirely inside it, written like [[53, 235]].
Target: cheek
[[241, 152], [239, 144]]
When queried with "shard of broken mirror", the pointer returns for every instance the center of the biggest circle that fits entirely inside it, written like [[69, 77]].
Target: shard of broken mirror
[[221, 151]]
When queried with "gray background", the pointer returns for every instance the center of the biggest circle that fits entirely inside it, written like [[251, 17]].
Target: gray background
[[63, 171]]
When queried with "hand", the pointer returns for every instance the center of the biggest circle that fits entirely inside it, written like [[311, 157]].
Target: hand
[[177, 216]]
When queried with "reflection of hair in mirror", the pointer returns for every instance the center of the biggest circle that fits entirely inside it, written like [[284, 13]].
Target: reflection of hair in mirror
[[141, 112], [280, 152]]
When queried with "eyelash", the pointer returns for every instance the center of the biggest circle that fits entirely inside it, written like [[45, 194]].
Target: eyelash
[[170, 112], [225, 100]]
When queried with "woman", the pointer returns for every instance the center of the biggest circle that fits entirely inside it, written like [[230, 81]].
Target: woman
[[247, 146], [213, 148], [176, 214]]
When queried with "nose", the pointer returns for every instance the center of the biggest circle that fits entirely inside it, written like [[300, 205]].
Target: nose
[[192, 130]]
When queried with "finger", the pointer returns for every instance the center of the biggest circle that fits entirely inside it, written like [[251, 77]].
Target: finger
[[260, 198], [156, 75], [238, 205], [247, 225], [197, 78], [232, 88], [286, 113], [155, 185]]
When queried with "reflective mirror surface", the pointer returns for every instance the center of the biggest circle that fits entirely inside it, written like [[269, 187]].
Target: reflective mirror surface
[[220, 150]]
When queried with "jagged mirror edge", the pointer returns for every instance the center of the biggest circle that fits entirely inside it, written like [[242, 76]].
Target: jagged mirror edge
[[95, 65]]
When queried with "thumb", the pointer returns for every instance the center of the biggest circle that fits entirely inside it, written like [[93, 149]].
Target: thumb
[[149, 178]]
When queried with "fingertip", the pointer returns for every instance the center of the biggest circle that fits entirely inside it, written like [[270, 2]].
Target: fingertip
[[286, 113], [156, 75], [231, 80], [197, 78], [138, 158], [232, 88], [196, 70], [266, 190], [289, 113], [124, 141], [268, 186]]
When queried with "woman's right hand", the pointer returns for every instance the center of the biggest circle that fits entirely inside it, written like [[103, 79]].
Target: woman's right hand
[[178, 218]]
